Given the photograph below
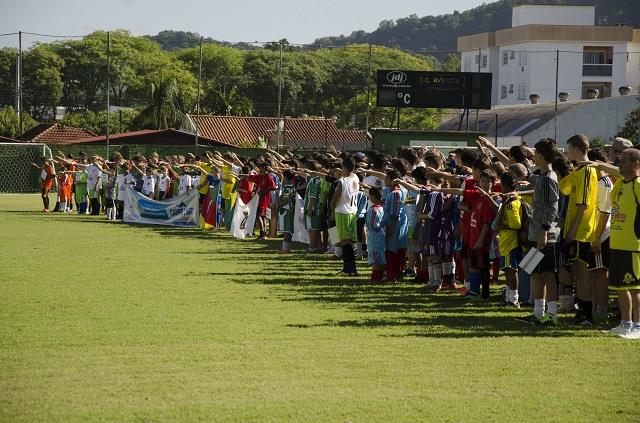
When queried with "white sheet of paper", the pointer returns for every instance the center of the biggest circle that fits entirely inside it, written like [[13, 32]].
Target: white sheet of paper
[[531, 260]]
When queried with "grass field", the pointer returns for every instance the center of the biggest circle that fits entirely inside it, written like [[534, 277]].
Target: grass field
[[111, 322]]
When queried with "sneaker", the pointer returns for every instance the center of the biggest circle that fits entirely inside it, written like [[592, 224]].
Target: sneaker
[[619, 330], [432, 286], [472, 297], [514, 304], [530, 319], [410, 273], [633, 334], [584, 322], [544, 321], [463, 291]]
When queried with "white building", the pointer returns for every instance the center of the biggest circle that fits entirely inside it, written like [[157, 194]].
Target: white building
[[523, 58]]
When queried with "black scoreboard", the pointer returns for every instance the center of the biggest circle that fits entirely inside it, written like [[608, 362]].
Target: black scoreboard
[[447, 90]]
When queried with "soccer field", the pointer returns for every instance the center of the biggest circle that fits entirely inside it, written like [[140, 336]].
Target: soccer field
[[106, 321]]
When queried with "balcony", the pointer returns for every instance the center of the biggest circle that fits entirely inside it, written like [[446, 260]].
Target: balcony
[[597, 70]]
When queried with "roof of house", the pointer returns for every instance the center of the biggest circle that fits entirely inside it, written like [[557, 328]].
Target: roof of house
[[54, 133], [513, 121], [150, 137], [298, 132]]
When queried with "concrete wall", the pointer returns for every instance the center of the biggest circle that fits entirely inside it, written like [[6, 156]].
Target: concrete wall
[[601, 118], [388, 140], [553, 15]]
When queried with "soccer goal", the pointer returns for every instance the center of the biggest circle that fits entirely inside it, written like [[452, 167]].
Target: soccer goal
[[16, 172]]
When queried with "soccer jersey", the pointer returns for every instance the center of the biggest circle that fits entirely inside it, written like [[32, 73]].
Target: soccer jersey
[[313, 193], [227, 187], [482, 213], [465, 217], [604, 203], [625, 215], [48, 175], [94, 174], [265, 184], [510, 223], [202, 179], [148, 185], [348, 203], [164, 183], [395, 210], [185, 184], [581, 186]]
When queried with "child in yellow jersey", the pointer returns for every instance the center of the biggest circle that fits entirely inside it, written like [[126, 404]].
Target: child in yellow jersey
[[509, 222], [581, 186]]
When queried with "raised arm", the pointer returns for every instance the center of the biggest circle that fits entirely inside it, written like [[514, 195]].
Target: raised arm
[[483, 142]]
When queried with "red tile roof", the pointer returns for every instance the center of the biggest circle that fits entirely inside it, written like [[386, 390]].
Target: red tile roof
[[55, 133], [298, 132], [150, 137]]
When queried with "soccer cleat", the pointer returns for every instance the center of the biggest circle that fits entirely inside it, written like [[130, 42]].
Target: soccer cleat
[[410, 273], [472, 297], [544, 321], [530, 319], [514, 304], [433, 286], [633, 334], [619, 330], [463, 291]]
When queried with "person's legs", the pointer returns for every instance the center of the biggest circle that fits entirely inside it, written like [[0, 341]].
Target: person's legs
[[45, 199], [584, 291], [511, 276]]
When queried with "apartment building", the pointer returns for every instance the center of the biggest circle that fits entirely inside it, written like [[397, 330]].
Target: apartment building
[[545, 41]]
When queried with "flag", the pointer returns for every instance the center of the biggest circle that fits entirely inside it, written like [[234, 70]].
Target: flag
[[244, 217], [300, 233], [209, 208]]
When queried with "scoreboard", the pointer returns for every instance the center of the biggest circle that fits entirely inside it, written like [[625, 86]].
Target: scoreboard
[[447, 90]]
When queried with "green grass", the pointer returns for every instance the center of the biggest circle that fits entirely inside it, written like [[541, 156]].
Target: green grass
[[112, 322]]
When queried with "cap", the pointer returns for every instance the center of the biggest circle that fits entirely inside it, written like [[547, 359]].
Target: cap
[[621, 144], [359, 155]]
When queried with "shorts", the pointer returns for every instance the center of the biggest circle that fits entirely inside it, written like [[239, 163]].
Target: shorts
[[288, 222], [511, 260], [262, 211], [577, 251], [479, 259], [601, 260], [360, 228], [312, 223], [551, 260], [347, 226], [624, 273]]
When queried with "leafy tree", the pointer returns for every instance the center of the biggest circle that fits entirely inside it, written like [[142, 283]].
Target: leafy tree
[[120, 121], [631, 128], [7, 75], [10, 124], [42, 82]]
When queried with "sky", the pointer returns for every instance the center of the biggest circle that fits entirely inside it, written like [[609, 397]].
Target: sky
[[253, 20]]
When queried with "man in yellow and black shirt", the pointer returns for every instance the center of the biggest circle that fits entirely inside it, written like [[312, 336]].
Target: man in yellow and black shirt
[[624, 261], [581, 186]]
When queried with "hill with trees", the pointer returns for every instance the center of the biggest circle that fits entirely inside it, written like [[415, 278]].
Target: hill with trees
[[440, 33]]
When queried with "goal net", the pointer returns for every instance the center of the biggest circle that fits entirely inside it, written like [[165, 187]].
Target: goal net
[[16, 172]]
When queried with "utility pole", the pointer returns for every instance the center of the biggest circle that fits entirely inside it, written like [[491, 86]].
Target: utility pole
[[280, 128], [478, 111], [198, 96], [555, 118], [366, 120], [108, 85], [19, 91]]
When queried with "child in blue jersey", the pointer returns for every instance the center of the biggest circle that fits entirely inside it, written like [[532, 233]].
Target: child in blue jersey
[[397, 227], [376, 235], [360, 222]]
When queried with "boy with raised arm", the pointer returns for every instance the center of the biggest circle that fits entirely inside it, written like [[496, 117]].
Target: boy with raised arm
[[344, 204]]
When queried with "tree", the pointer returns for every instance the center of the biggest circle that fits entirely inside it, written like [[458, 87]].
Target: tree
[[631, 128], [7, 76], [42, 82], [120, 121], [10, 124]]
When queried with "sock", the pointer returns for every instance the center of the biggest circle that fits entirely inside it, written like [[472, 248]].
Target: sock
[[626, 323], [508, 295], [566, 302], [359, 249], [448, 268], [474, 282], [552, 309], [286, 245], [62, 207], [349, 259], [430, 273], [514, 296], [45, 201], [437, 273], [495, 269], [337, 251], [390, 266], [400, 256], [538, 308], [587, 308], [485, 280]]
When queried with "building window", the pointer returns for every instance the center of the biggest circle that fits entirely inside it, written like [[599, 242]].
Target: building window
[[477, 59], [523, 58], [503, 91], [604, 89], [522, 91], [510, 88], [484, 61], [505, 57], [512, 55]]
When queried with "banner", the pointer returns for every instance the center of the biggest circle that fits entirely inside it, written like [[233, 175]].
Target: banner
[[244, 217], [176, 211], [300, 233], [209, 208]]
